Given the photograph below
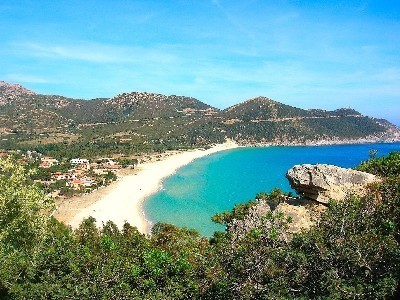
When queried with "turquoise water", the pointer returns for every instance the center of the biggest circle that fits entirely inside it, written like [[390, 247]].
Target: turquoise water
[[217, 182]]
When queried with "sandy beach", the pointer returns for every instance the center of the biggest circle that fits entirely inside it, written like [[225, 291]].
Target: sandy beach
[[122, 200]]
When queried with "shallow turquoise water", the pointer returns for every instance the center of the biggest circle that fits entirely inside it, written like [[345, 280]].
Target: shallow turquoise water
[[215, 183]]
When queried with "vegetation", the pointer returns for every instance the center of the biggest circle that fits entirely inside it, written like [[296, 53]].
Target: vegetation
[[22, 226], [124, 125], [351, 253], [384, 166]]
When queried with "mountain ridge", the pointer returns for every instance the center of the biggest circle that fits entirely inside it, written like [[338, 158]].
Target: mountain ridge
[[150, 121], [6, 88]]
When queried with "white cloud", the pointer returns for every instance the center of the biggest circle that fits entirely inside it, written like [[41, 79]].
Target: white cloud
[[95, 53]]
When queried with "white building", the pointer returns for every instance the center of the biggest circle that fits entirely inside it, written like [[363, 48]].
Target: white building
[[79, 161]]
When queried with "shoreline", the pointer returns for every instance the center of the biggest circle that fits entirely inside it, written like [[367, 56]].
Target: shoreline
[[323, 142], [122, 200]]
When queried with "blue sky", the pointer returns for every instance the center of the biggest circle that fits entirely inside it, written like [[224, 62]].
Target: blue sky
[[309, 54]]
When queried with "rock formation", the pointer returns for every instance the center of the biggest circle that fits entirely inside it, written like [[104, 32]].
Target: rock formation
[[252, 220], [301, 216], [313, 182], [324, 182]]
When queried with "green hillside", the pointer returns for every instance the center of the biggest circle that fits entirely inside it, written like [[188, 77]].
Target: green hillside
[[264, 108], [141, 122]]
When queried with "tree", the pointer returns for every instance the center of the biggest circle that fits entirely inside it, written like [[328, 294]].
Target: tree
[[23, 208], [23, 223], [384, 166]]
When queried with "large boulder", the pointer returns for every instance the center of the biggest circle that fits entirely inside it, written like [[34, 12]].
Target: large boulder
[[324, 182]]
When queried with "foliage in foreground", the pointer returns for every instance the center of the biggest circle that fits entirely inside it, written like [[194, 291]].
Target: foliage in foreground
[[384, 166], [352, 253]]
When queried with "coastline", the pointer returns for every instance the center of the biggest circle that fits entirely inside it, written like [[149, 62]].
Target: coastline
[[121, 201], [323, 142]]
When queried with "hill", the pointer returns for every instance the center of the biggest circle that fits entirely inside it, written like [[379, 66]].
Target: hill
[[263, 108], [262, 120], [139, 121]]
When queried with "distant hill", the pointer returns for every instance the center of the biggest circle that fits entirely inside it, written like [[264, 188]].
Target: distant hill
[[264, 108], [12, 92], [147, 106], [262, 120], [139, 121]]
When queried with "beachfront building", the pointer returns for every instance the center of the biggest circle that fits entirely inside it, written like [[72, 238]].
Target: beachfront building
[[47, 162], [106, 161], [100, 171], [62, 176], [76, 184], [79, 161], [112, 167], [81, 183]]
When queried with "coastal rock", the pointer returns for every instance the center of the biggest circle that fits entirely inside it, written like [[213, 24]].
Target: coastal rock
[[301, 217], [324, 182], [253, 219]]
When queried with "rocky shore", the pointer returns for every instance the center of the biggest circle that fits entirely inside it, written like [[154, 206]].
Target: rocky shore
[[316, 185]]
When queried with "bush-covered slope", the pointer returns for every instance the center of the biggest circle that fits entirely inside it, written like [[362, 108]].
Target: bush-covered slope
[[264, 108], [132, 122]]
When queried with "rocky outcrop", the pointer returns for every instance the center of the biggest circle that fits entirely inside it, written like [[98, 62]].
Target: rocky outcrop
[[313, 182], [10, 92], [324, 182], [301, 216], [239, 228]]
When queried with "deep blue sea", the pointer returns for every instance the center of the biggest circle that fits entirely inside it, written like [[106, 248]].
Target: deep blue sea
[[215, 183]]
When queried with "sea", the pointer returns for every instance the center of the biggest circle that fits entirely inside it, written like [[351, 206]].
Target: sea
[[215, 183]]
